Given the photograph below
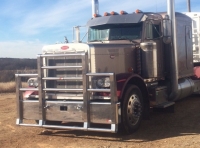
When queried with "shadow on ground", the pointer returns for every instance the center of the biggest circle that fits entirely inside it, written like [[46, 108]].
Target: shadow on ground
[[185, 121]]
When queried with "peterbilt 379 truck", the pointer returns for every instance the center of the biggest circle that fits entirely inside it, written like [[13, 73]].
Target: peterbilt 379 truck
[[131, 62]]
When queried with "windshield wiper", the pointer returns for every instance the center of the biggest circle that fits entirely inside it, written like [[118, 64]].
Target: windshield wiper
[[130, 40], [97, 41]]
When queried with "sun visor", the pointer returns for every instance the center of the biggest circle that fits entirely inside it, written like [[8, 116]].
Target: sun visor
[[117, 19]]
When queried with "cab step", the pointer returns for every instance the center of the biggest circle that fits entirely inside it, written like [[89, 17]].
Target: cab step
[[167, 107]]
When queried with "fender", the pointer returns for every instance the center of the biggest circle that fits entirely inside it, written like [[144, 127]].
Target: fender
[[124, 79], [127, 78]]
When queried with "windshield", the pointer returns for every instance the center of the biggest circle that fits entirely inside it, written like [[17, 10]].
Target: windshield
[[115, 32]]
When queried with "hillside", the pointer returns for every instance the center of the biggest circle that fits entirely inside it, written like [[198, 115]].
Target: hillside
[[17, 64], [10, 66]]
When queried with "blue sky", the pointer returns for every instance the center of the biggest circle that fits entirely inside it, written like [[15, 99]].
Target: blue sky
[[27, 25]]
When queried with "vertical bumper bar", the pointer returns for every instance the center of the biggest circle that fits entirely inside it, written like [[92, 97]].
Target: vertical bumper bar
[[40, 87], [114, 101], [19, 99], [86, 99]]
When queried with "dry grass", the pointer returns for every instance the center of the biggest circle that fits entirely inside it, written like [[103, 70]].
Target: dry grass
[[7, 87]]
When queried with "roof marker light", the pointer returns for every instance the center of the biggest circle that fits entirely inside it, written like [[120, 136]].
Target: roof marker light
[[96, 15], [138, 11], [113, 13], [106, 14], [123, 12]]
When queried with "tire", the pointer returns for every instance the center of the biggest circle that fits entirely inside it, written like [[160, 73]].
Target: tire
[[132, 110]]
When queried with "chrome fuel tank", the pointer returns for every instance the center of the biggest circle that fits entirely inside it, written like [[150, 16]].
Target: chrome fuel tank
[[185, 88]]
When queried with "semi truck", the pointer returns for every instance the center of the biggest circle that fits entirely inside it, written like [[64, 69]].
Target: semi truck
[[131, 62]]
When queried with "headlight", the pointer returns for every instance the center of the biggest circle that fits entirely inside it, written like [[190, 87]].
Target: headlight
[[103, 82], [32, 82]]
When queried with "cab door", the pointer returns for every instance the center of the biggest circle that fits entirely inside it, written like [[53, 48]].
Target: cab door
[[153, 34]]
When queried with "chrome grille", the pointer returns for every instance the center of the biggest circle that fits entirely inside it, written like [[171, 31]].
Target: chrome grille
[[61, 73]]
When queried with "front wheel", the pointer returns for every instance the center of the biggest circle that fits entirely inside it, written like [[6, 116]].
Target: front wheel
[[132, 110]]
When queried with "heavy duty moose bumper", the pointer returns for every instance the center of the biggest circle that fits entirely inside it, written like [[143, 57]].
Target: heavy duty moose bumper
[[86, 111]]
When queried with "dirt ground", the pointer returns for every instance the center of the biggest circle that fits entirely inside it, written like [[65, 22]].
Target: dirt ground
[[163, 130]]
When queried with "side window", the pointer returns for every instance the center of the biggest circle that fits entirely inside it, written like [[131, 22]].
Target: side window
[[152, 31]]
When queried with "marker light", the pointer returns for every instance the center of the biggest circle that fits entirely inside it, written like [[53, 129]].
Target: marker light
[[138, 11], [96, 15], [123, 12], [113, 13], [130, 69], [106, 14]]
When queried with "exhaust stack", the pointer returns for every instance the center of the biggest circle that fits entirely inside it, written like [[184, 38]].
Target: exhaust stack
[[173, 53], [95, 7], [189, 6]]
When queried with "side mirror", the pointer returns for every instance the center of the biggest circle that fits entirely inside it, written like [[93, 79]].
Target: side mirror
[[76, 31], [167, 30]]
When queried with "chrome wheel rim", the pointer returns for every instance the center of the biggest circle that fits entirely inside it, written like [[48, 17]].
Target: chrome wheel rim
[[134, 109]]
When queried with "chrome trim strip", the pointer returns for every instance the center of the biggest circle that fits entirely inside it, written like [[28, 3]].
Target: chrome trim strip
[[28, 89], [61, 55], [61, 67], [62, 78], [67, 102], [26, 75], [58, 89], [99, 74], [98, 90], [101, 103]]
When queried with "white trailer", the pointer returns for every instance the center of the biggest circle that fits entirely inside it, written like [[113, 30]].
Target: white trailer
[[195, 16]]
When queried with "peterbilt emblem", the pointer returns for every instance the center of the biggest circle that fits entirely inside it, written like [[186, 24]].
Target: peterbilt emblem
[[64, 47]]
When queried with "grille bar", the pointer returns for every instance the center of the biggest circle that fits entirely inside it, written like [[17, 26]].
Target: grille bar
[[62, 67], [26, 75], [68, 90], [63, 78], [28, 89]]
